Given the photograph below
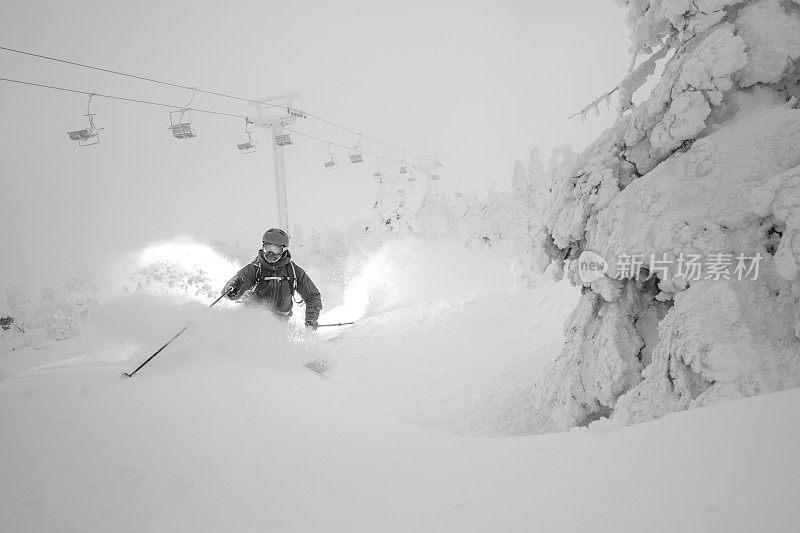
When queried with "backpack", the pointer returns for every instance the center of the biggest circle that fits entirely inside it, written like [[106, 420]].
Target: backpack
[[292, 278]]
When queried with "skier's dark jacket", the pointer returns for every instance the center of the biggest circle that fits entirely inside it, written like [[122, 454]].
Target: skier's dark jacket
[[276, 294]]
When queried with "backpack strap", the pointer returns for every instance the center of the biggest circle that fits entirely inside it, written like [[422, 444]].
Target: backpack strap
[[258, 271], [294, 283], [293, 277], [259, 278]]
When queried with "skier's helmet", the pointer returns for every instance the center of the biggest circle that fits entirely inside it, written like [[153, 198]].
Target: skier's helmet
[[276, 236]]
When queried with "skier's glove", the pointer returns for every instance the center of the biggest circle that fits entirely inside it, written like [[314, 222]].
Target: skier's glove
[[311, 324], [231, 289]]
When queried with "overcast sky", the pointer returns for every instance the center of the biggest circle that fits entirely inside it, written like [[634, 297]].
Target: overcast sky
[[480, 82]]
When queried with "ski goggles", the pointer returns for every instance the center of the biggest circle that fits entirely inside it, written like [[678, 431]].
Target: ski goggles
[[276, 249]]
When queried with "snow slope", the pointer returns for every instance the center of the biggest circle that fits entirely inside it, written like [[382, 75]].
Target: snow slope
[[226, 430], [247, 442], [464, 364]]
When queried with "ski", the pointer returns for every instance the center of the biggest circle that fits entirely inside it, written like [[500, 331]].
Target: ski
[[319, 366]]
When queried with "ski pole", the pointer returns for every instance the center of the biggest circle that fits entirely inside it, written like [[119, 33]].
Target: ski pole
[[339, 324], [168, 342]]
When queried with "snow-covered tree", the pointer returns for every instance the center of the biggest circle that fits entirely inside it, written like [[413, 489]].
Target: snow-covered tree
[[535, 166], [390, 212], [520, 181], [707, 166], [435, 218], [17, 303]]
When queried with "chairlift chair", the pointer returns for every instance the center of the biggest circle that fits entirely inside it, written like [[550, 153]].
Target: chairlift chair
[[355, 155], [403, 165], [284, 139], [331, 164], [88, 136], [180, 121], [377, 174], [249, 146], [434, 176], [85, 137]]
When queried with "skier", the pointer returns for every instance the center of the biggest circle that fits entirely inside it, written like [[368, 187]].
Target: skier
[[6, 322], [272, 279]]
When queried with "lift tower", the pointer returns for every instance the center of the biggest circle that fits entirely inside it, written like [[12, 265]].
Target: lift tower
[[276, 112]]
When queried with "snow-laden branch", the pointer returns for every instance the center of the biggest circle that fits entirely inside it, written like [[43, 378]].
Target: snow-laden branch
[[627, 87]]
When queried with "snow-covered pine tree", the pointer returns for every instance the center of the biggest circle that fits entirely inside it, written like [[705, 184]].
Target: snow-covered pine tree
[[435, 218], [708, 165], [390, 213]]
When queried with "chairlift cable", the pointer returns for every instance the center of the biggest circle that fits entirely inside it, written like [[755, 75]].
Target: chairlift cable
[[172, 106], [361, 134], [330, 142], [452, 174], [212, 93], [312, 115], [112, 97], [93, 68], [134, 76]]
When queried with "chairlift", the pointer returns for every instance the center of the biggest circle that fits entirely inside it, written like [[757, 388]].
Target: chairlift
[[180, 121], [88, 136], [284, 139], [435, 171], [411, 177], [403, 165], [355, 155], [249, 146], [377, 174], [331, 164], [355, 152], [459, 194]]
